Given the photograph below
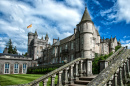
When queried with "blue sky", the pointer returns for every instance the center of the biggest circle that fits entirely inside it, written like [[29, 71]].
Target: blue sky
[[58, 18]]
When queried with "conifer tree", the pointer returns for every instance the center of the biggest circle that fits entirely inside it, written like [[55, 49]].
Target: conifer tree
[[11, 50]]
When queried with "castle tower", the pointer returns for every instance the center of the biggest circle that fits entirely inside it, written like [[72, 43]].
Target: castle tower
[[35, 46], [46, 38], [30, 38], [86, 35], [112, 49]]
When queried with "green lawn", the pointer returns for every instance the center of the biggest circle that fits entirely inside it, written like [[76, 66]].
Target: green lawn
[[14, 79]]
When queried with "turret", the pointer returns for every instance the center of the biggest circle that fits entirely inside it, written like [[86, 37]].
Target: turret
[[46, 38], [35, 45], [112, 49], [86, 35], [30, 38]]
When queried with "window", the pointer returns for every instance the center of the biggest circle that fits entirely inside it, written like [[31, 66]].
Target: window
[[72, 45], [60, 49], [41, 47], [82, 40], [66, 46], [6, 68], [72, 57], [53, 50], [16, 68], [24, 68]]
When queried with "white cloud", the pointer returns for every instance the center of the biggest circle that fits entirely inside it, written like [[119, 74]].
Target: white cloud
[[96, 2], [46, 16], [125, 43], [118, 12]]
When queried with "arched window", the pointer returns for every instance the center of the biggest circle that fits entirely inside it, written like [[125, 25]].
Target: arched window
[[7, 68], [16, 68], [24, 68]]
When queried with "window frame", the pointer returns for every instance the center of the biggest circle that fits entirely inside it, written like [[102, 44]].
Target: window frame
[[16, 68], [6, 68], [24, 68]]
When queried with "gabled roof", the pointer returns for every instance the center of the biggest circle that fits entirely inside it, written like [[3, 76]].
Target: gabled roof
[[86, 16], [72, 37]]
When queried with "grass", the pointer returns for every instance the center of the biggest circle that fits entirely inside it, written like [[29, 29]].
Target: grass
[[14, 79]]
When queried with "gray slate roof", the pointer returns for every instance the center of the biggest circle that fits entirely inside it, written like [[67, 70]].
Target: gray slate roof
[[86, 16]]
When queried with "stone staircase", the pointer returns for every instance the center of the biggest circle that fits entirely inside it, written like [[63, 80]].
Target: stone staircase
[[83, 81], [115, 72]]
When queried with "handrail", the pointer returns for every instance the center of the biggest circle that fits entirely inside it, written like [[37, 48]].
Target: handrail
[[106, 74], [114, 54], [54, 72]]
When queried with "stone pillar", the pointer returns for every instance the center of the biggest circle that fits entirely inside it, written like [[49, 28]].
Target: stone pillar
[[53, 80], [115, 81], [71, 77], [128, 66], [125, 76], [45, 82], [37, 84], [103, 65], [121, 82], [76, 71], [128, 69], [109, 83], [65, 77], [59, 79], [81, 68], [89, 67]]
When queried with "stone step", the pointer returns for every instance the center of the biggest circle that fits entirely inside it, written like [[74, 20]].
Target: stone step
[[76, 85], [81, 82], [85, 78]]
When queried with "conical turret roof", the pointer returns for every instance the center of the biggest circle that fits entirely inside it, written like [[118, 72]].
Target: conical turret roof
[[86, 16]]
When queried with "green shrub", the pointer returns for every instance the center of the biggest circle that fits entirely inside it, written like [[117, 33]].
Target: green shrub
[[117, 47]]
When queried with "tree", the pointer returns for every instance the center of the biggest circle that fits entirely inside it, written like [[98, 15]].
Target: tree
[[11, 50]]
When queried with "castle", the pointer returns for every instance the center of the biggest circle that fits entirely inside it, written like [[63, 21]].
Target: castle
[[84, 43]]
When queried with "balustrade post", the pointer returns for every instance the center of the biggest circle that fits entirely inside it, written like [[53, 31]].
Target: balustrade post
[[115, 81], [121, 82], [37, 84], [128, 66], [103, 65], [81, 68], [89, 67], [65, 80], [59, 79], [71, 72], [53, 80], [76, 71], [45, 82], [109, 83], [125, 76]]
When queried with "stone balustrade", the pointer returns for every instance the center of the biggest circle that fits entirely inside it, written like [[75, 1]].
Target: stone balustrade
[[109, 60], [66, 74], [115, 74]]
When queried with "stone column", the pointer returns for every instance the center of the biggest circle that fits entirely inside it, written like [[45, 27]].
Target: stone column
[[115, 81], [76, 71], [71, 77], [103, 65], [65, 77], [128, 66], [121, 82], [53, 80], [37, 84], [81, 68], [45, 82], [125, 76], [59, 79], [89, 67], [109, 83]]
